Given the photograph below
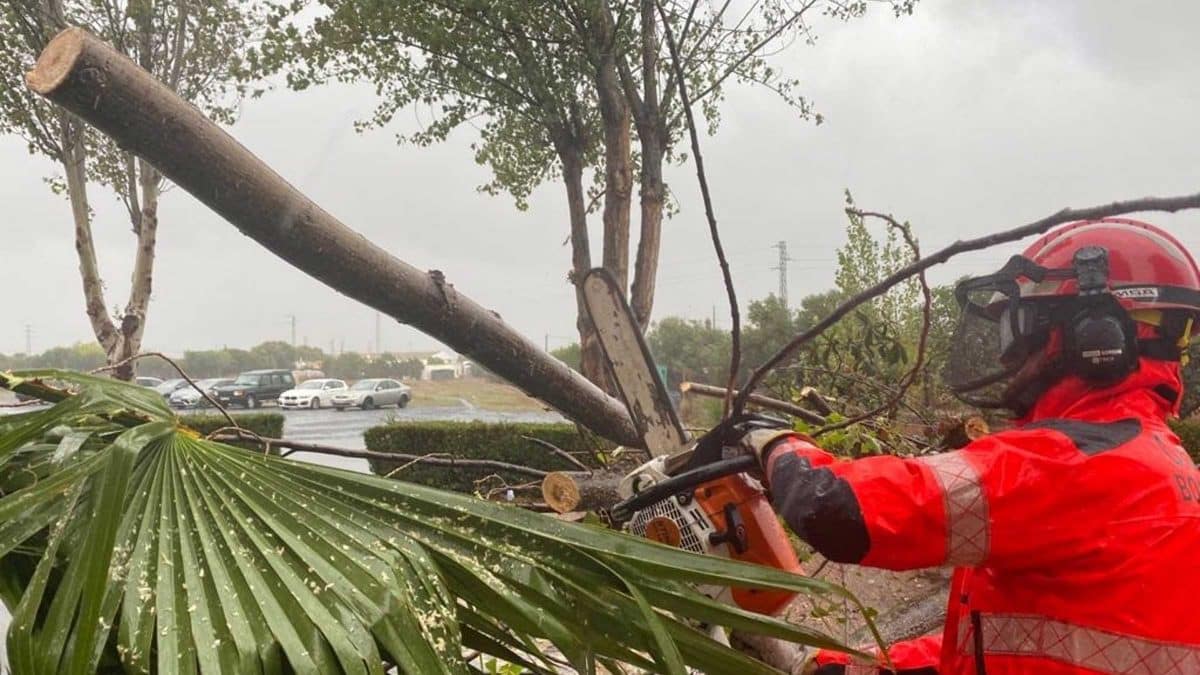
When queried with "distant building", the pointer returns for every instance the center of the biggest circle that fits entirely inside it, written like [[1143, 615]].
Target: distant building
[[446, 365]]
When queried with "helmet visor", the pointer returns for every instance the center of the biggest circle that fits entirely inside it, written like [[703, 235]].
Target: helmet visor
[[998, 329]]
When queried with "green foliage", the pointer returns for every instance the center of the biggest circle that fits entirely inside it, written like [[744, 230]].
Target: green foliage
[[770, 324], [569, 354], [854, 441], [526, 78], [79, 356], [193, 47], [692, 351], [228, 362], [1188, 431], [267, 425], [480, 440], [135, 547]]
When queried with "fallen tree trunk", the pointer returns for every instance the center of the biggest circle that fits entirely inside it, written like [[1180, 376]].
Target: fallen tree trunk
[[87, 77], [757, 399]]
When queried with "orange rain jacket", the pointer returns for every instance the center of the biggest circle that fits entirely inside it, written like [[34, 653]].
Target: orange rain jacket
[[1075, 536]]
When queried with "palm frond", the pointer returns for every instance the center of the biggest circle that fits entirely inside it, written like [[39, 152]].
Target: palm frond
[[129, 543]]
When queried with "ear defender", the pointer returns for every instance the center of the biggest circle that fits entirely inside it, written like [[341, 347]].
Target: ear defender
[[1101, 342]]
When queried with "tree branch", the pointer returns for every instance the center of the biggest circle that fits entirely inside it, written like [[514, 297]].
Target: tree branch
[[558, 451], [1167, 204], [124, 362], [757, 399], [431, 459], [736, 330], [910, 377]]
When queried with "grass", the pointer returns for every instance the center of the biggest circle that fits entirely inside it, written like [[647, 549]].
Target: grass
[[475, 391]]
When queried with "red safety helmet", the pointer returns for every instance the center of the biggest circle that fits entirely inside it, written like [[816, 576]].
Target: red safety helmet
[[1069, 305]]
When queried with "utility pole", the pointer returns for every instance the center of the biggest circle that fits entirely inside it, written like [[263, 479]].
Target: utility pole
[[782, 268], [546, 343], [28, 339]]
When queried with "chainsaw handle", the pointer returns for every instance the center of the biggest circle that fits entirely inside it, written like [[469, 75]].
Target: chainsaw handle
[[684, 482]]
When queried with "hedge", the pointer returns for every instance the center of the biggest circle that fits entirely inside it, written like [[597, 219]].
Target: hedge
[[1188, 432], [479, 440], [268, 425]]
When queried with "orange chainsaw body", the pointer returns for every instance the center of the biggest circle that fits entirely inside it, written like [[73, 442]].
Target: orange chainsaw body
[[763, 539]]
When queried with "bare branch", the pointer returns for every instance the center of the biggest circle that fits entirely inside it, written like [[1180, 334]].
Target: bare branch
[[178, 369], [1167, 204], [757, 399], [735, 356], [432, 459], [558, 451]]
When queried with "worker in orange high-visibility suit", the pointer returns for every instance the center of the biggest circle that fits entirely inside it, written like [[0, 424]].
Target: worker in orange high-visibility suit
[[1075, 536]]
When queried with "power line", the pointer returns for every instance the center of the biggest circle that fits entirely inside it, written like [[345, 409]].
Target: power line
[[782, 267]]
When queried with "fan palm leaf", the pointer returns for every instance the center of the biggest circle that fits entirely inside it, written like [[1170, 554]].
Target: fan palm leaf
[[130, 544]]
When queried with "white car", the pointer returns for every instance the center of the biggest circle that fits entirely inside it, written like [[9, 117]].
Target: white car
[[312, 394], [188, 397], [373, 393]]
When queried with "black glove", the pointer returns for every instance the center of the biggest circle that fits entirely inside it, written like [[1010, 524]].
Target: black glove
[[747, 433]]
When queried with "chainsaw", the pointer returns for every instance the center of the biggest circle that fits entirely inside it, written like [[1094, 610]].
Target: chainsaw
[[692, 494]]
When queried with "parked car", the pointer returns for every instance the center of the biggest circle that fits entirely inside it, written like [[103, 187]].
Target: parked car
[[373, 393], [254, 387], [188, 397], [170, 387], [311, 394], [147, 381]]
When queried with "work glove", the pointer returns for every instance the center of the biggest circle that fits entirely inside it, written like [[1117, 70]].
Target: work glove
[[749, 434]]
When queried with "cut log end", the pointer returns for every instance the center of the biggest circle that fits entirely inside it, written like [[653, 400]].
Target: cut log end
[[56, 61], [560, 492]]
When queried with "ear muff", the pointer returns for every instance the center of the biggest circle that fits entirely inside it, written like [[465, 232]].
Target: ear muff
[[1100, 342]]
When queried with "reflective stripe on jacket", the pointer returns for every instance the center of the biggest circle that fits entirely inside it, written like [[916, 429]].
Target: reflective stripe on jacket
[[1075, 537]]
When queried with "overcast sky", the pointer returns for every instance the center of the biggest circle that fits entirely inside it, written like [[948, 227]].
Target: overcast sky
[[965, 118]]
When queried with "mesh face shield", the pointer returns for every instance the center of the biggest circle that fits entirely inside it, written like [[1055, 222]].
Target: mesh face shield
[[1004, 319]]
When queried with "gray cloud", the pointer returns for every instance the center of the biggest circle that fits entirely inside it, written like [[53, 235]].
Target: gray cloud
[[965, 118]]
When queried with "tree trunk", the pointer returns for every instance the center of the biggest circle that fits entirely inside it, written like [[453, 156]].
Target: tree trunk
[[645, 267], [652, 139], [618, 172], [87, 77], [74, 161], [133, 321], [591, 357]]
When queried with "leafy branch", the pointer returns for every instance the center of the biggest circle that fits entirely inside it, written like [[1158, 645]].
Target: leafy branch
[[910, 377], [1166, 204]]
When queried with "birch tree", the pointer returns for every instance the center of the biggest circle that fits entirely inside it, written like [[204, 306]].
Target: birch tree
[[191, 45]]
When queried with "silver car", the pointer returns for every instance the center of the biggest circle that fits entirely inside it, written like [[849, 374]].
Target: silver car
[[373, 393], [188, 397]]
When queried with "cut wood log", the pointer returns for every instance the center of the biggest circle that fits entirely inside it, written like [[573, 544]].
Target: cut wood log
[[757, 399], [565, 492], [87, 77], [816, 401], [959, 431]]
